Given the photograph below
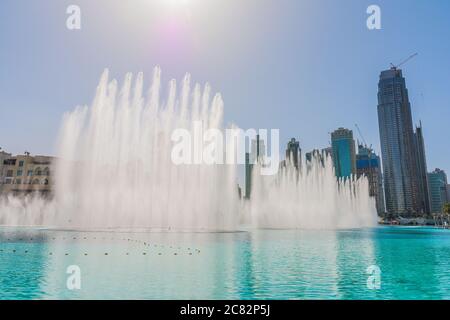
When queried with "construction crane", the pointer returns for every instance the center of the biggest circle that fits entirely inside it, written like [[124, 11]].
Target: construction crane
[[395, 67], [369, 149], [361, 135]]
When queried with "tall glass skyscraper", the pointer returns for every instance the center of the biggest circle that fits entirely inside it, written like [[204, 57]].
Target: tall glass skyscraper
[[438, 190], [424, 195], [294, 153], [257, 151], [398, 146], [344, 156], [368, 164]]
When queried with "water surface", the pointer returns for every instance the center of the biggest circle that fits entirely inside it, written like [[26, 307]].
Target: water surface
[[263, 264]]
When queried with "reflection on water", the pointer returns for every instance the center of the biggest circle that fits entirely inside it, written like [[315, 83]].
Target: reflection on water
[[264, 264]]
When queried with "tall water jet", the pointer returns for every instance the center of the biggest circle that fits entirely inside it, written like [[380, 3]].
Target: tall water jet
[[310, 197], [116, 169]]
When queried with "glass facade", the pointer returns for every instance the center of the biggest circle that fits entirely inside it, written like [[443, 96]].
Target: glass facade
[[343, 148], [369, 165], [398, 148], [438, 190], [424, 197], [293, 153], [257, 152]]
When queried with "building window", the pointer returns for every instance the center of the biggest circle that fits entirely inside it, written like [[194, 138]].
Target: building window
[[30, 173], [35, 181], [19, 173], [38, 171], [9, 173], [21, 163], [18, 181], [46, 171], [46, 181], [9, 162]]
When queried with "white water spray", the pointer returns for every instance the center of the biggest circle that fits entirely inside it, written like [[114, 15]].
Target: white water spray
[[116, 172], [311, 198]]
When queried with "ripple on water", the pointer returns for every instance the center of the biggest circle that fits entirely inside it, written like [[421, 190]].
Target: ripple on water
[[269, 264]]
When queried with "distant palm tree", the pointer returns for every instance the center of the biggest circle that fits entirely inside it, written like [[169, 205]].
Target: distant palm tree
[[447, 208]]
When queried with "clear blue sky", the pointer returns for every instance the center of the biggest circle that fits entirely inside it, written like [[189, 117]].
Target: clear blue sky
[[306, 67]]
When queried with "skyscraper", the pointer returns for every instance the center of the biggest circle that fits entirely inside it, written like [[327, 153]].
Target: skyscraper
[[257, 152], [398, 147], [319, 155], [424, 197], [448, 193], [309, 156], [368, 164], [258, 149], [248, 175], [344, 157], [438, 190], [293, 153], [327, 152]]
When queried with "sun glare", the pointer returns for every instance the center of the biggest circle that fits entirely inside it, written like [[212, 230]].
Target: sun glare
[[176, 2]]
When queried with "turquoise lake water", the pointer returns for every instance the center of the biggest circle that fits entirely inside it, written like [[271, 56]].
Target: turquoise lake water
[[264, 264]]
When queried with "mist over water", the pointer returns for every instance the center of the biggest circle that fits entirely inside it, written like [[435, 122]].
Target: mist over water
[[115, 171], [31, 210], [311, 198]]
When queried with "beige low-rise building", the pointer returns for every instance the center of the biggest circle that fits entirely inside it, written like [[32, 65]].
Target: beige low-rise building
[[24, 174]]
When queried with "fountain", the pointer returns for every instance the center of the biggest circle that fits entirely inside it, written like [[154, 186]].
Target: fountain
[[115, 172], [310, 197], [116, 169]]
